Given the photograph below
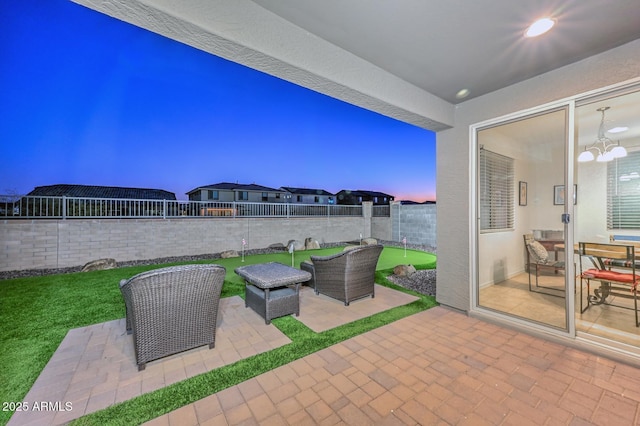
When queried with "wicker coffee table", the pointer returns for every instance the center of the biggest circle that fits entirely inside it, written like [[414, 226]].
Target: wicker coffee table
[[268, 292]]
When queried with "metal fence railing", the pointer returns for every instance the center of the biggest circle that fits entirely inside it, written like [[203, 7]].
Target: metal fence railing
[[33, 207], [381, 211]]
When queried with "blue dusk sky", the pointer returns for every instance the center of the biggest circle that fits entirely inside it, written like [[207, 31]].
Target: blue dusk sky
[[88, 99]]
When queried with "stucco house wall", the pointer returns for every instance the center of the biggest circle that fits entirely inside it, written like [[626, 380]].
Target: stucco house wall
[[203, 195], [310, 199], [228, 196], [453, 182]]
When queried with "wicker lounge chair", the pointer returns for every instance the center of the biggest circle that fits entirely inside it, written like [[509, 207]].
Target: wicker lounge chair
[[174, 309], [345, 276]]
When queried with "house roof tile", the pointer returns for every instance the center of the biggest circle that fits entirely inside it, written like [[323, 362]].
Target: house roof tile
[[92, 191], [235, 187], [361, 192], [306, 191]]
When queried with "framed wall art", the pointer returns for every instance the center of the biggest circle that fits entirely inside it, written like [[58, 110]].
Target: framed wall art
[[522, 198], [559, 195]]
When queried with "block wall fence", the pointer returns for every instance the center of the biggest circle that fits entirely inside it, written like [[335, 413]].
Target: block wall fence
[[47, 243], [416, 222]]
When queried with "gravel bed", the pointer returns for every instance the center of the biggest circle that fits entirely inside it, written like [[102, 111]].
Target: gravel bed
[[422, 281]]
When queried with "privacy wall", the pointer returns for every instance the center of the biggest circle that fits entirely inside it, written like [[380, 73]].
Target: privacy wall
[[37, 244], [415, 222], [47, 243]]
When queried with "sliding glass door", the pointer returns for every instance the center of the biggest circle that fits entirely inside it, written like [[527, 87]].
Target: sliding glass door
[[608, 208], [522, 200], [545, 182]]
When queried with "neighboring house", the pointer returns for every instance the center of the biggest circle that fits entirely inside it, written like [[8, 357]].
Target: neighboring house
[[229, 192], [309, 195], [130, 201], [93, 191], [356, 197]]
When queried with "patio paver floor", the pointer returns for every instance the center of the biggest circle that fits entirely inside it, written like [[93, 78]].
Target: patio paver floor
[[437, 367], [434, 367], [94, 367]]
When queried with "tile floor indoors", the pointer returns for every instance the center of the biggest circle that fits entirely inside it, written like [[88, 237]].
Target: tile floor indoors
[[513, 296]]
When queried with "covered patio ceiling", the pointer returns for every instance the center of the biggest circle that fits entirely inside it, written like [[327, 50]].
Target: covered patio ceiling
[[405, 59]]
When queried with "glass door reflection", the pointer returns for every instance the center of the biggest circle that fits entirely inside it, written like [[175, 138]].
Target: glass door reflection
[[520, 201], [608, 207]]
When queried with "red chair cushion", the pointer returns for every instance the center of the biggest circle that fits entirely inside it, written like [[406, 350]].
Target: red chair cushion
[[603, 275]]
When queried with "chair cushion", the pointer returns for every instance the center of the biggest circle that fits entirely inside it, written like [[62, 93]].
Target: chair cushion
[[604, 275], [538, 253]]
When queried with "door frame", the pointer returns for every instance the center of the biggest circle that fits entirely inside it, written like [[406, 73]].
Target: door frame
[[581, 341], [474, 231]]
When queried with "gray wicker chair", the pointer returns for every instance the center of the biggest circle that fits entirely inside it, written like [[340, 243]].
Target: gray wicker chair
[[174, 309], [348, 275]]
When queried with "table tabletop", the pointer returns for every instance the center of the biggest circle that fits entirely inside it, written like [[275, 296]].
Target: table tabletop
[[576, 249], [273, 274]]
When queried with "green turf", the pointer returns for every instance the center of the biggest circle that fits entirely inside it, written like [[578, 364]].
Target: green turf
[[40, 311]]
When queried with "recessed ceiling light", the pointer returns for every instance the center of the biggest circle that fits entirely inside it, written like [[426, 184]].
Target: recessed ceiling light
[[462, 93], [618, 129], [539, 27]]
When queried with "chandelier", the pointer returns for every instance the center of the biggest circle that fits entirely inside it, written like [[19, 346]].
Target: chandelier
[[607, 150]]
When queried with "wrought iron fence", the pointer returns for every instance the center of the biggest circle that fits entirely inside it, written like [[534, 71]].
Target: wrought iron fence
[[32, 207]]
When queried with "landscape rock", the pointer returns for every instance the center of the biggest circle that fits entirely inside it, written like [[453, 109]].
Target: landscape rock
[[229, 253], [404, 270], [350, 247], [99, 265], [297, 245], [311, 244], [278, 246], [369, 242]]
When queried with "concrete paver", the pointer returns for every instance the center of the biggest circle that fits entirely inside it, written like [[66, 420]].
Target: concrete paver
[[434, 367], [457, 370]]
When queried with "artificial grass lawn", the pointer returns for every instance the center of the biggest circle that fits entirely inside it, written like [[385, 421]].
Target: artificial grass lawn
[[40, 311]]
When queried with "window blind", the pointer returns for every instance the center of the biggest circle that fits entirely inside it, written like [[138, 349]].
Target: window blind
[[497, 191], [623, 192]]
